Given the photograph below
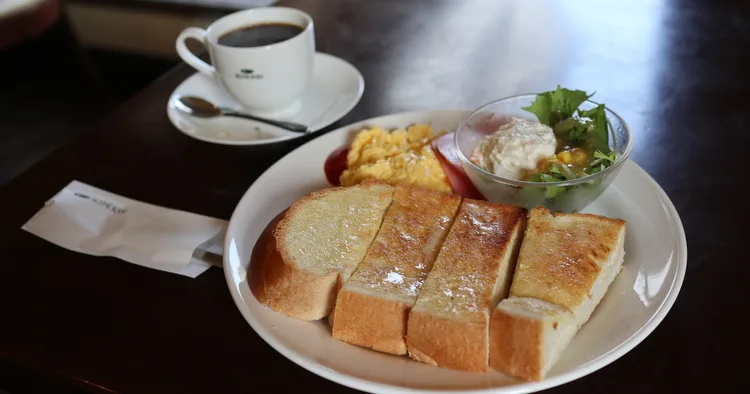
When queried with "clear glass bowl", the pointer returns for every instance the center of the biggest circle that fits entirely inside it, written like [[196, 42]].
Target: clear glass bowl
[[566, 196]]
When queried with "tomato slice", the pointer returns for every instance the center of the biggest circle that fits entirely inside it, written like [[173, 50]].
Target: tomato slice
[[336, 164], [445, 150]]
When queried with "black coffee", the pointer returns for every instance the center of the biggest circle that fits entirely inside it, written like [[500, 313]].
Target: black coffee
[[260, 35]]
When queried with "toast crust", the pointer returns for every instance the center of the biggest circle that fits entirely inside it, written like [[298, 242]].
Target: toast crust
[[304, 285], [372, 322], [373, 305], [516, 343], [285, 288], [528, 335], [449, 322], [447, 343], [562, 255]]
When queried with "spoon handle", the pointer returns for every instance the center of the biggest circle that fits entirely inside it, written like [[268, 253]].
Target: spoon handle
[[291, 126]]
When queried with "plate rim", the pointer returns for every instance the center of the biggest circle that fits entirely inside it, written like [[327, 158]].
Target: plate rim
[[360, 92], [525, 387]]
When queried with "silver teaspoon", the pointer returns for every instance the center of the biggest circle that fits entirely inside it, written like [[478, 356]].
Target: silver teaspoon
[[201, 108]]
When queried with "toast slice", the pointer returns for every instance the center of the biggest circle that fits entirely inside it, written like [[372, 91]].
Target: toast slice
[[448, 325], [317, 244], [566, 260], [373, 305]]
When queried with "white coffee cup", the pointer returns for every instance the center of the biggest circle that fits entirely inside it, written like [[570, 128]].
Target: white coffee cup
[[267, 80]]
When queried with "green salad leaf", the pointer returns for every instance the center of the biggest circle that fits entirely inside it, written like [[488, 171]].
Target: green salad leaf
[[565, 171], [552, 177], [553, 191], [557, 170], [556, 105], [565, 102], [578, 133], [594, 169], [606, 159], [601, 161], [542, 108], [588, 129], [572, 129], [599, 126]]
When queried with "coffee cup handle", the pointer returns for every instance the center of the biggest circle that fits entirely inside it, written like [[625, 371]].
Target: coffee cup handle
[[189, 57]]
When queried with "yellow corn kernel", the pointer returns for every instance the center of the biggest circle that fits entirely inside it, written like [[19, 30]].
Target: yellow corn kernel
[[578, 156], [565, 157]]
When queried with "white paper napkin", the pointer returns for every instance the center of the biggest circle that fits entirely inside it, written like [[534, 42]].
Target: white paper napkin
[[88, 220]]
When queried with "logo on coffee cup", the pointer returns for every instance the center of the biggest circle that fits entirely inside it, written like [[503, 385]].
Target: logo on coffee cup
[[248, 73]]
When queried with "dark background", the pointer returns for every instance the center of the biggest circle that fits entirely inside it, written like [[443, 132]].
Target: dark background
[[679, 72], [52, 88]]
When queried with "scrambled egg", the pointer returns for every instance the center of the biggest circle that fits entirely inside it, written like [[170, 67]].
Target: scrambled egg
[[398, 157]]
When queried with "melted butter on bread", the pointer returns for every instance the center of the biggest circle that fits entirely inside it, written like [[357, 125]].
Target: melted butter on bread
[[373, 305]]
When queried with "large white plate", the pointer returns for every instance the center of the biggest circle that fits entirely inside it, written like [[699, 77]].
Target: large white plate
[[638, 300]]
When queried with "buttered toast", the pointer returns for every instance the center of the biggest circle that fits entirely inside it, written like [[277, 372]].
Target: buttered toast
[[373, 305], [316, 246], [448, 325], [464, 284], [565, 266]]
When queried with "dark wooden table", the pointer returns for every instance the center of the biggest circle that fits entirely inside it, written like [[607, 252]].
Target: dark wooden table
[[677, 70], [191, 7]]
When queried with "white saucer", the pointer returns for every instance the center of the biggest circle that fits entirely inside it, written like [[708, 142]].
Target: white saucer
[[335, 89]]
